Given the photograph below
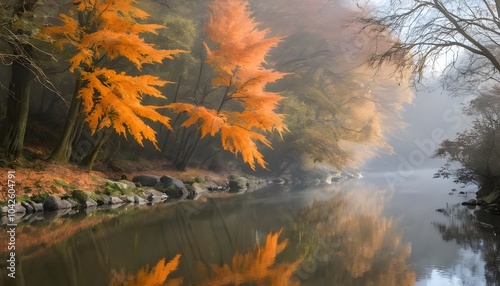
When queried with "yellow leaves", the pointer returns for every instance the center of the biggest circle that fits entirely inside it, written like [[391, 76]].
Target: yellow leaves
[[211, 122], [108, 29], [238, 139], [238, 61], [156, 277], [115, 44], [68, 33], [257, 266], [239, 41], [113, 100], [111, 29]]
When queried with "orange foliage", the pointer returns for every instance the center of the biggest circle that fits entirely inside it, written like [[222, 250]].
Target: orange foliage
[[156, 277], [108, 29], [255, 267], [119, 100], [237, 58]]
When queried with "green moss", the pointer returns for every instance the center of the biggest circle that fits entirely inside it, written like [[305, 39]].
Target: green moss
[[115, 190], [39, 197], [80, 196], [63, 184], [22, 198], [232, 177], [93, 196], [192, 180]]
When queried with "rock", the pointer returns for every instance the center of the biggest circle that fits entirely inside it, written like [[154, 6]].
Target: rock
[[167, 180], [146, 180], [127, 199], [128, 184], [38, 207], [103, 199], [66, 205], [19, 208], [195, 189], [29, 208], [139, 200], [90, 203], [74, 204], [52, 203], [237, 184], [471, 202], [5, 209], [278, 181], [152, 192], [216, 189], [115, 201], [153, 195], [120, 185], [173, 187]]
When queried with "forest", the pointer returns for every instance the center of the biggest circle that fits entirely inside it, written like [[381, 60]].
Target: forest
[[216, 83], [141, 130], [193, 83]]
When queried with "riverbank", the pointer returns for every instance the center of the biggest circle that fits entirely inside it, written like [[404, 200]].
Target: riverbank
[[67, 189]]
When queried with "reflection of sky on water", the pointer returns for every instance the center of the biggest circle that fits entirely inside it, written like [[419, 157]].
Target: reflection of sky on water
[[435, 261], [469, 270]]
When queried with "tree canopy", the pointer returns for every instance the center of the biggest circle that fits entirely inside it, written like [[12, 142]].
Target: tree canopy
[[458, 39]]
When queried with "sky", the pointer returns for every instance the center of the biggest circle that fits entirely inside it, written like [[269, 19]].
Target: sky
[[433, 116]]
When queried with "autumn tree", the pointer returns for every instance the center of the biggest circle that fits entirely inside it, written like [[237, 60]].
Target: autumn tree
[[103, 32], [241, 111], [339, 111]]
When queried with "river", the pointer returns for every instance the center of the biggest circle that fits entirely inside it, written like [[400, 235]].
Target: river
[[359, 232]]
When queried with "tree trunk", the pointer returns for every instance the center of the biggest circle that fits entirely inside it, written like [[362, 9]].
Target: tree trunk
[[90, 159], [14, 126], [62, 152], [188, 153]]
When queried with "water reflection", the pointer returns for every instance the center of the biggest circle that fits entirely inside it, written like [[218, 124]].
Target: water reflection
[[476, 233], [346, 240], [157, 276], [330, 235], [257, 267]]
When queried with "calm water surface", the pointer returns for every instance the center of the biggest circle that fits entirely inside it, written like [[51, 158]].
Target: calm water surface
[[360, 232]]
